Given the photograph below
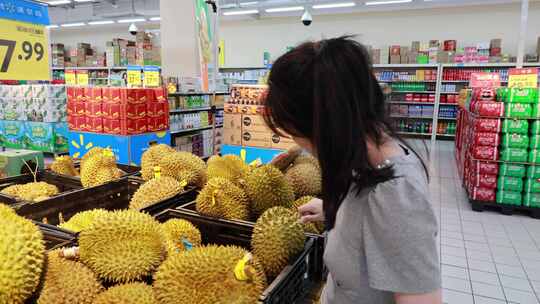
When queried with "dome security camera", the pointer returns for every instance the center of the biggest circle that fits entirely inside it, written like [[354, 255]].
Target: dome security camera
[[307, 19], [133, 29]]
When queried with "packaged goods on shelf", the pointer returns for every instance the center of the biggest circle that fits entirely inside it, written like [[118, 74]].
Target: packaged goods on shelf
[[186, 121], [509, 197], [39, 102], [514, 170], [532, 185], [531, 200], [515, 140], [518, 126]]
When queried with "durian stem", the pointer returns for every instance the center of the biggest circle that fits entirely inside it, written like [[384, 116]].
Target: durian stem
[[34, 174], [71, 253]]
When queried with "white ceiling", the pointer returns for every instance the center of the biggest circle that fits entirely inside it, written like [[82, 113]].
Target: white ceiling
[[119, 9]]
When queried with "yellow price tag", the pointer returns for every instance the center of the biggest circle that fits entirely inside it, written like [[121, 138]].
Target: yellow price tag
[[24, 51], [214, 193], [70, 78], [240, 268], [523, 78], [243, 155], [157, 172], [256, 162], [151, 79], [82, 78], [183, 183], [134, 77]]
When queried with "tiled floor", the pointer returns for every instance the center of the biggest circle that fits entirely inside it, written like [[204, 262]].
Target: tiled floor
[[486, 257]]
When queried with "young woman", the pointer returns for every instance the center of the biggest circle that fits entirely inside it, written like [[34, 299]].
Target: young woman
[[381, 245]]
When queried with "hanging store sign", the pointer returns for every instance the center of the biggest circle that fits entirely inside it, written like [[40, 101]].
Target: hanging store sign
[[151, 76], [134, 76], [523, 78]]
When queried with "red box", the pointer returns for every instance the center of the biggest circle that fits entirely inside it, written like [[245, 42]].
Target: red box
[[487, 139], [485, 152], [395, 50], [134, 126], [159, 94], [137, 96], [490, 109], [112, 126], [157, 108], [483, 181], [495, 51], [479, 167], [77, 123], [157, 123], [484, 94], [111, 110], [93, 109], [71, 93], [92, 94], [112, 95], [94, 124], [75, 108], [482, 194], [487, 125], [123, 111]]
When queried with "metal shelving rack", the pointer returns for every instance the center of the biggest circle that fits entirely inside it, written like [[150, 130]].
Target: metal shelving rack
[[108, 69]]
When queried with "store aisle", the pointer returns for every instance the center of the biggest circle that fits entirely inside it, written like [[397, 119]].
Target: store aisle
[[486, 257]]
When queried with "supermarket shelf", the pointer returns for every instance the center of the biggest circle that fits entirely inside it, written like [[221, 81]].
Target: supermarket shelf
[[424, 134], [411, 117], [410, 102], [198, 93], [504, 117], [90, 68], [191, 130], [426, 92], [449, 104], [243, 68], [407, 81], [456, 81], [194, 110], [479, 65], [505, 209], [450, 93], [446, 118], [405, 65]]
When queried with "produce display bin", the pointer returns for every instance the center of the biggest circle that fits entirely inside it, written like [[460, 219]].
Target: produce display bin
[[288, 287], [55, 237], [128, 170], [318, 266], [111, 196]]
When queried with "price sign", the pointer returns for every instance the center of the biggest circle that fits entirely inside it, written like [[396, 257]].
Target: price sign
[[523, 78], [485, 80], [70, 78], [82, 78], [151, 76], [24, 51], [134, 76]]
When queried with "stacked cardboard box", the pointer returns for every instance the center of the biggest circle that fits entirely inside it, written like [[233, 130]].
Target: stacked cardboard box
[[39, 102], [117, 110], [58, 55]]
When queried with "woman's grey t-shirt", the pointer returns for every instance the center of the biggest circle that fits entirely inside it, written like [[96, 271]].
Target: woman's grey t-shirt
[[384, 241]]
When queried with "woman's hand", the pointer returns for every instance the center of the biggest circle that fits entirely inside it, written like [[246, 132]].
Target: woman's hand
[[312, 211]]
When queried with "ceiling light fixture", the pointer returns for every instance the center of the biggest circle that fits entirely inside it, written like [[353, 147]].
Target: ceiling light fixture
[[73, 24], [59, 2], [244, 12], [334, 5], [52, 26], [131, 20], [387, 2], [250, 3], [100, 22], [83, 1], [284, 9], [155, 18]]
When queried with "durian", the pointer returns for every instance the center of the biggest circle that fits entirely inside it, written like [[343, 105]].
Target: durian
[[131, 293], [306, 158], [267, 187], [277, 237], [151, 158], [184, 166], [178, 232], [90, 153], [67, 282], [33, 192], [316, 228], [207, 275], [82, 220], [305, 178], [222, 198], [99, 169], [122, 246], [284, 160], [230, 167], [64, 165], [155, 190], [22, 255]]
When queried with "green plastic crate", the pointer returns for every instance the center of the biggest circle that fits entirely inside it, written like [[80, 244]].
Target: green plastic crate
[[534, 142], [535, 127], [532, 185], [509, 197], [502, 93], [518, 126], [509, 183], [533, 172], [514, 155], [514, 170], [534, 156], [522, 95], [515, 140], [518, 110], [531, 199]]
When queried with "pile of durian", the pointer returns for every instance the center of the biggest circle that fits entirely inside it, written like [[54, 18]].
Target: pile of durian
[[128, 257], [239, 191], [98, 166], [64, 165], [32, 192]]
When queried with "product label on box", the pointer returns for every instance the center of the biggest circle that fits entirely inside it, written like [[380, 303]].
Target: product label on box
[[482, 194], [484, 80], [484, 181], [485, 152], [523, 78], [487, 139], [485, 168], [487, 125]]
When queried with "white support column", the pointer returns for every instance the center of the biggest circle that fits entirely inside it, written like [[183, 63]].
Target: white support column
[[522, 32]]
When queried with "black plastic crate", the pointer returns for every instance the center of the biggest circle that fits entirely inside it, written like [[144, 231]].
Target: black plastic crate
[[127, 170], [317, 256], [55, 237], [291, 285], [110, 196]]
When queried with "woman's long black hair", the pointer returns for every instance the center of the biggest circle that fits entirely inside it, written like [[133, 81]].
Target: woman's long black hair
[[326, 92]]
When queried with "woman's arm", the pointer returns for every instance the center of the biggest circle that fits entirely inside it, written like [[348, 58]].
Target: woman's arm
[[426, 298]]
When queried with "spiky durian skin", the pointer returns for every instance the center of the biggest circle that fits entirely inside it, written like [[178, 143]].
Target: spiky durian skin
[[151, 158], [131, 293], [12, 190], [222, 198], [316, 228], [277, 237], [33, 192], [82, 220], [206, 275], [64, 165], [122, 246], [155, 190], [306, 158], [98, 169], [93, 151], [267, 187], [305, 178], [284, 160], [22, 255], [230, 167], [67, 282], [177, 230], [184, 166]]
